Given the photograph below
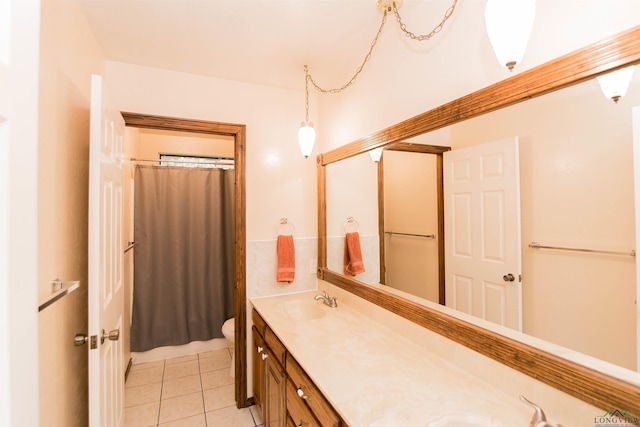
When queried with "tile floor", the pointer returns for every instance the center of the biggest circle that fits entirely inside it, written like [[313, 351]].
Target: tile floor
[[188, 391]]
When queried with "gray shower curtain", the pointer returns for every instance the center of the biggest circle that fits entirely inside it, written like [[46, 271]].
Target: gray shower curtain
[[184, 255]]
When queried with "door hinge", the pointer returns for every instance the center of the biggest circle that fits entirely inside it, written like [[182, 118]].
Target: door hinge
[[520, 278], [94, 342]]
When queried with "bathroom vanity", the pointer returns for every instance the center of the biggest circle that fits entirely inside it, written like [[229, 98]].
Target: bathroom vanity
[[316, 365], [283, 392]]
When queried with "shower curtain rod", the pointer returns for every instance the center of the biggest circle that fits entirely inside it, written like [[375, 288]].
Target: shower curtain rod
[[133, 159]]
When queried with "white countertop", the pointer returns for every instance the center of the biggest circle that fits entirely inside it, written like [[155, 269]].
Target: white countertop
[[376, 377]]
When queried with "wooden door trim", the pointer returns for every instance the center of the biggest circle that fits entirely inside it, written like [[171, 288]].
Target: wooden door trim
[[238, 132]]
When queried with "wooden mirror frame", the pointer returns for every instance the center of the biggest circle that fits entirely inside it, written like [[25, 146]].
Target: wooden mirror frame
[[587, 384], [238, 132]]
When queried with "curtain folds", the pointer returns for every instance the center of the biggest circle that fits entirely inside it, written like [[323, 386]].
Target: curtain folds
[[184, 255]]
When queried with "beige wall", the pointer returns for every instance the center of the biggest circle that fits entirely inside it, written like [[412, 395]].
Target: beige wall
[[576, 189], [69, 55], [153, 143]]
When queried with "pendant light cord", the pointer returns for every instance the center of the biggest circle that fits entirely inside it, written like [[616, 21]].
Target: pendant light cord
[[403, 27]]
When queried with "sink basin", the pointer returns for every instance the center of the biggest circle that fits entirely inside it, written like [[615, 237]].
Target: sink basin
[[462, 420], [303, 310]]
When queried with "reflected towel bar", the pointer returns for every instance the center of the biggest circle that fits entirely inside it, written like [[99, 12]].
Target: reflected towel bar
[[428, 236], [539, 246]]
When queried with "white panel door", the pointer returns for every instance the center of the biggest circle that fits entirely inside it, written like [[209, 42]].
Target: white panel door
[[482, 232], [636, 179], [106, 290]]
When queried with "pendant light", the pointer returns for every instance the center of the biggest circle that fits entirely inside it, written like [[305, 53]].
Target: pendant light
[[306, 133], [509, 24], [614, 85]]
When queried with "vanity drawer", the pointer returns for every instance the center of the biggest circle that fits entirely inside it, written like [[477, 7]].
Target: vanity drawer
[[299, 412], [258, 322], [274, 344], [316, 402]]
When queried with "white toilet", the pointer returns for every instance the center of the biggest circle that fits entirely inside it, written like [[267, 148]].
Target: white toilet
[[229, 332]]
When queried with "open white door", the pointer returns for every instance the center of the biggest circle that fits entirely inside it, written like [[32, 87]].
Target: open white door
[[106, 290], [635, 118], [482, 232]]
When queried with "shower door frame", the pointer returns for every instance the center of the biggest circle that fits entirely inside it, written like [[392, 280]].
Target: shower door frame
[[238, 132]]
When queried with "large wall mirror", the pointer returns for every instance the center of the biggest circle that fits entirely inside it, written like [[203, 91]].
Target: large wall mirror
[[576, 192]]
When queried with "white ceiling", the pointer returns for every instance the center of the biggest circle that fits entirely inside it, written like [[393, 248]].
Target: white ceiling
[[258, 41]]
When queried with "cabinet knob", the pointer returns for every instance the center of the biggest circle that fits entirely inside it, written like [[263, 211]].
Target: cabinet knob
[[260, 349], [301, 393], [264, 356]]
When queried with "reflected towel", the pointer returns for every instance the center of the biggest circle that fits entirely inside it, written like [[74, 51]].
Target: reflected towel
[[286, 259], [353, 255]]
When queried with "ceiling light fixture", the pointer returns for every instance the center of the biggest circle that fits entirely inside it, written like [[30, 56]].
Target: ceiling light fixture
[[614, 85], [306, 134], [509, 24]]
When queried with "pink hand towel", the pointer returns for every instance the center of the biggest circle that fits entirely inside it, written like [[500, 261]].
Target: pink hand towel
[[352, 254], [286, 259]]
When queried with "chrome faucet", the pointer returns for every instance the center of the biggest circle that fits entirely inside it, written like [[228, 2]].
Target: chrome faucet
[[327, 300], [539, 419]]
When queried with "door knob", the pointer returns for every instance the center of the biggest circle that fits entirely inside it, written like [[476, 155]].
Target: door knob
[[508, 277], [111, 336], [80, 339]]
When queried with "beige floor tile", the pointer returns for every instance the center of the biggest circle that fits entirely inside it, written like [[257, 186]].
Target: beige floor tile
[[181, 370], [218, 398], [181, 386], [214, 379], [207, 354], [181, 359], [256, 415], [230, 417], [194, 421], [215, 362], [142, 415], [141, 394], [147, 365], [181, 407], [145, 376]]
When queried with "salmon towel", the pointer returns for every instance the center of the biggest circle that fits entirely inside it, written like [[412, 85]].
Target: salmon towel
[[352, 254], [286, 259]]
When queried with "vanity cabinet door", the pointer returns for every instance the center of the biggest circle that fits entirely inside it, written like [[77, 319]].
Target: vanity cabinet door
[[258, 370], [274, 398]]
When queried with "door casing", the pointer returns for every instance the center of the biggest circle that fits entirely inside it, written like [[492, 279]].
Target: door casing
[[238, 132]]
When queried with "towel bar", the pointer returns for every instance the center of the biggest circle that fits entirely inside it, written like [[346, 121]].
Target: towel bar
[[428, 236], [539, 246]]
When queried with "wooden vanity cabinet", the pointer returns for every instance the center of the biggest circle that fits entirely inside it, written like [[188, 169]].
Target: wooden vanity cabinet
[[282, 391], [269, 375]]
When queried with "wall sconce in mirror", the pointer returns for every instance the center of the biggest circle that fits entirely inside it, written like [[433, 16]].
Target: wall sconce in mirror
[[509, 24], [614, 85], [376, 154]]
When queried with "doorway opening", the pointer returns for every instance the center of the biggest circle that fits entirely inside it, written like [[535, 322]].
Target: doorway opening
[[238, 133]]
